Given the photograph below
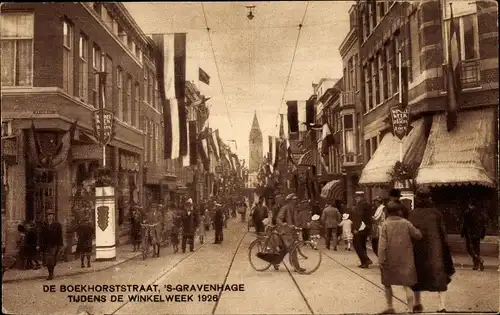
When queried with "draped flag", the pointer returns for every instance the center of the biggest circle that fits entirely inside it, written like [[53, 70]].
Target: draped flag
[[215, 140], [310, 116], [453, 72], [171, 70], [65, 146], [33, 146], [193, 143], [277, 152], [204, 149]]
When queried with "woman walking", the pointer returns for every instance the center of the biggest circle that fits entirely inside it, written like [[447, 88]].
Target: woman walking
[[433, 247], [202, 227], [378, 219], [395, 255]]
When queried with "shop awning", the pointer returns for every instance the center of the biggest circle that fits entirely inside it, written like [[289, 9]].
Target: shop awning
[[377, 170], [308, 159], [466, 155], [333, 190]]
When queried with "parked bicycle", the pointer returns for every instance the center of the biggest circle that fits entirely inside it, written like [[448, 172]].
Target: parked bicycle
[[271, 243]]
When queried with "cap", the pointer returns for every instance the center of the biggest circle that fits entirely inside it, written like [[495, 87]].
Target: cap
[[315, 217], [359, 193], [291, 196], [378, 198]]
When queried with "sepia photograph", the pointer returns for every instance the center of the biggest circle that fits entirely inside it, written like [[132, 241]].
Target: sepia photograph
[[250, 157]]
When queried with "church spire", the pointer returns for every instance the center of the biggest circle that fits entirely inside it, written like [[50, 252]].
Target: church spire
[[255, 124]]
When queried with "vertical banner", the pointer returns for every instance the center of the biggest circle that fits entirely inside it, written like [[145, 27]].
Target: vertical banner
[[180, 89], [310, 117], [293, 117], [193, 141], [301, 108]]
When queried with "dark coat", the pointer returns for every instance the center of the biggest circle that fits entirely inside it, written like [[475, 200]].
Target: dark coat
[[30, 241], [433, 259], [260, 213], [52, 242], [363, 213], [218, 219], [474, 225], [85, 233], [189, 223]]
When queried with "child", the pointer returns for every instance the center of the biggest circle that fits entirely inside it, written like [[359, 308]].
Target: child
[[346, 225], [202, 227], [314, 229]]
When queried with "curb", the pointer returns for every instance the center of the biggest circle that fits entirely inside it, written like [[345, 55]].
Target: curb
[[80, 272]]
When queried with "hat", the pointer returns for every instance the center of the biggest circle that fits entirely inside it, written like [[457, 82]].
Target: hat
[[190, 201], [345, 216], [378, 198], [49, 211], [393, 208], [423, 192], [315, 217], [359, 193], [291, 196], [395, 193]]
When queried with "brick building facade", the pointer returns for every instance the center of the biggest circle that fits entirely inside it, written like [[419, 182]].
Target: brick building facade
[[51, 80]]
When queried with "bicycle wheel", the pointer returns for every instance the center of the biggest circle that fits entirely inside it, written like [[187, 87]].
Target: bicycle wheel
[[257, 246], [308, 256]]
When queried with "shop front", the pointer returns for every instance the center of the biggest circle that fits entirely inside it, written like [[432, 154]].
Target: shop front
[[459, 167], [128, 189]]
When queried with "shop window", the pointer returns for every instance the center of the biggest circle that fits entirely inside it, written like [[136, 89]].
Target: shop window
[[96, 65], [109, 81]]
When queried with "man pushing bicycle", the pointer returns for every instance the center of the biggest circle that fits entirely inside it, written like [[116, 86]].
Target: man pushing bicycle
[[288, 220]]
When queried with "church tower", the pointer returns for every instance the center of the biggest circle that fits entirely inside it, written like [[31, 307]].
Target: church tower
[[255, 145]]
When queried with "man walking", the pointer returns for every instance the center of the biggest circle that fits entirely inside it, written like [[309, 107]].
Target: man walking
[[218, 224], [260, 213], [331, 219], [474, 229], [362, 228], [189, 225], [52, 242]]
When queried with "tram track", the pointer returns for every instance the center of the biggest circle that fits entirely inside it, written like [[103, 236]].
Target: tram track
[[163, 275]]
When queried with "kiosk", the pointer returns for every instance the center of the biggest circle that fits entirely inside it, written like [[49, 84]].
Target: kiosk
[[105, 229]]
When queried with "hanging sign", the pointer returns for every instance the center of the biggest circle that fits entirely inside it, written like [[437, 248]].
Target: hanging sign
[[400, 121], [104, 124]]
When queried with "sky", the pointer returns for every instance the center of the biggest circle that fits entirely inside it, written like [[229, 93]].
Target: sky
[[252, 59]]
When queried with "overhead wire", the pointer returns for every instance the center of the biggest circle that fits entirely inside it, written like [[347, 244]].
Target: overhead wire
[[291, 63], [216, 65]]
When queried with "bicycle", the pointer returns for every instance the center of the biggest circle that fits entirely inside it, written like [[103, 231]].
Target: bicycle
[[271, 242], [149, 240]]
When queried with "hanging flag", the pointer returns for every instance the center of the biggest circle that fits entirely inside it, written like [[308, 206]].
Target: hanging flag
[[327, 139], [171, 72], [282, 127], [293, 117], [277, 152], [310, 116], [204, 152], [64, 147], [34, 152], [203, 76], [454, 86], [193, 143], [217, 142]]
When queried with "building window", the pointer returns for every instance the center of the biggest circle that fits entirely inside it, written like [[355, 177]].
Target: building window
[[159, 105], [67, 57], [381, 10], [109, 81], [382, 75], [355, 72], [352, 18], [348, 135], [350, 68], [371, 18], [107, 18], [157, 143], [83, 68], [122, 35], [119, 85], [96, 65], [150, 87], [415, 46], [368, 87], [366, 25], [388, 69], [17, 49], [128, 112], [154, 147], [466, 26], [146, 140], [376, 85], [145, 89], [395, 65], [136, 107]]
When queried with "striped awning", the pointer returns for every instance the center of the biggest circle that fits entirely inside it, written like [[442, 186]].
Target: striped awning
[[308, 159], [377, 171], [333, 190], [465, 155]]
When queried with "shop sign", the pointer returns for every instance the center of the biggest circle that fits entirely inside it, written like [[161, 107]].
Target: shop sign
[[86, 152], [103, 123], [400, 121]]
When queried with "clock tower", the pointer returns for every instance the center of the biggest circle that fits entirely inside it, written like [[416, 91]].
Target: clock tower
[[255, 145]]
